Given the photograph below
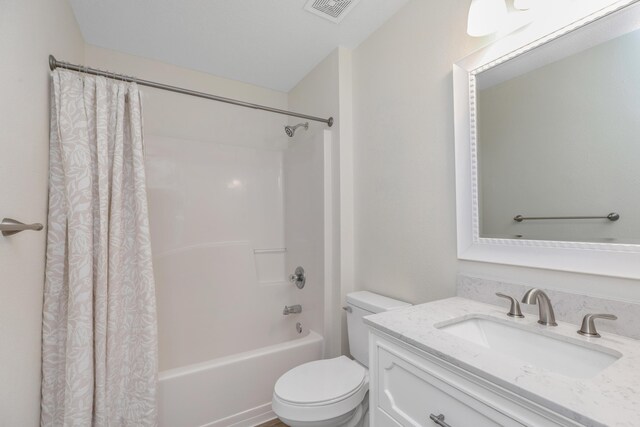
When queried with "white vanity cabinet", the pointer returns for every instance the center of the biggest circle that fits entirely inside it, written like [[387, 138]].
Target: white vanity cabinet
[[408, 385]]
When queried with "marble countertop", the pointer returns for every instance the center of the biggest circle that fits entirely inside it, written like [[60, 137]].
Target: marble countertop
[[610, 398]]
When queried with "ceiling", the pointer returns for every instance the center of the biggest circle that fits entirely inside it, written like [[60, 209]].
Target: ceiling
[[269, 43]]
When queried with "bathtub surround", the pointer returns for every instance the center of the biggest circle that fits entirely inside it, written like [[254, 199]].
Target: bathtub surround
[[209, 206], [99, 329], [221, 289], [306, 170], [327, 89], [568, 307]]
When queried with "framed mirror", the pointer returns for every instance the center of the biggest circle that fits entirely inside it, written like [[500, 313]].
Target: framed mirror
[[548, 147]]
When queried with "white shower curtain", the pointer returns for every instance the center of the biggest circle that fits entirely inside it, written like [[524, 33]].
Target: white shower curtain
[[99, 339]]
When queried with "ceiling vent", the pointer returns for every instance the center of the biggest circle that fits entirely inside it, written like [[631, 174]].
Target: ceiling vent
[[333, 10]]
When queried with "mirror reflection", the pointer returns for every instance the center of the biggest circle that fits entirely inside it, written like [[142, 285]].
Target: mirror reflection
[[560, 137]]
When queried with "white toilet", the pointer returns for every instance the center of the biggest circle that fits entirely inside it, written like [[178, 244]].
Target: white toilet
[[334, 392]]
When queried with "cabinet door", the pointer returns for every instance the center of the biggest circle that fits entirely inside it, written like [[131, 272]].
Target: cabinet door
[[382, 419], [410, 395]]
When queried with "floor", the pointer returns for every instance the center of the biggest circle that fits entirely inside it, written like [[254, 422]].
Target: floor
[[273, 423]]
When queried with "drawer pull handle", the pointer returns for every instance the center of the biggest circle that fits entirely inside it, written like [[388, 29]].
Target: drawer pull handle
[[439, 419]]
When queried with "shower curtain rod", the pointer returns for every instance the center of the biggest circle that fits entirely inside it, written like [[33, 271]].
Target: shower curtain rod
[[54, 63]]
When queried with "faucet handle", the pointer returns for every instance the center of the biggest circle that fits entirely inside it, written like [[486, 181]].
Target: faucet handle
[[514, 310], [588, 328]]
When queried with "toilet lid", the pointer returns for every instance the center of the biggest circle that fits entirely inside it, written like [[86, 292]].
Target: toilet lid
[[321, 381]]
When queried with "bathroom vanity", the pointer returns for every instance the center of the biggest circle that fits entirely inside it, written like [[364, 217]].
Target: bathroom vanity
[[458, 363]]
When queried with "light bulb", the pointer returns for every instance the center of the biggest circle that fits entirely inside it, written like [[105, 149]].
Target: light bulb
[[486, 17], [522, 4]]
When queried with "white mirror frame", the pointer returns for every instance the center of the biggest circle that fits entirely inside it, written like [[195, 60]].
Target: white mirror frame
[[619, 260]]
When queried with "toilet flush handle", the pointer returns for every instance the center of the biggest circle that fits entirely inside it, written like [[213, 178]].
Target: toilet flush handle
[[347, 309]]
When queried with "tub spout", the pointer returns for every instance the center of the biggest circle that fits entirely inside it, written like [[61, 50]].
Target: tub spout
[[292, 309]]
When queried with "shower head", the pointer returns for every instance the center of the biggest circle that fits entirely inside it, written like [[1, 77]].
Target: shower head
[[291, 130]]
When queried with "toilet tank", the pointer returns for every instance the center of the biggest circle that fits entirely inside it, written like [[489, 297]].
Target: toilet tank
[[364, 303]]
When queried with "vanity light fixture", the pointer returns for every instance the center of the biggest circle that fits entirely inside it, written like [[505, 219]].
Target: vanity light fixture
[[486, 17]]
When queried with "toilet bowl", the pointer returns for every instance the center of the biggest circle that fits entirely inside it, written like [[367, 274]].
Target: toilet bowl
[[328, 392], [333, 392]]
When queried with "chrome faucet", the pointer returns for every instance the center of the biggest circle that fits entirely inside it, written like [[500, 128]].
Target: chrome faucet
[[292, 309], [545, 309]]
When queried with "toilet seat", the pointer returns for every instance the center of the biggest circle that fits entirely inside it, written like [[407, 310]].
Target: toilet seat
[[321, 390]]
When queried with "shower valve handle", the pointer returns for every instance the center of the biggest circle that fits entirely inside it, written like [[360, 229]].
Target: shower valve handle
[[298, 278]]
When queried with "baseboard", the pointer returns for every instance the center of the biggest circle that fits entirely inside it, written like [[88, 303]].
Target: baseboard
[[260, 419], [250, 418]]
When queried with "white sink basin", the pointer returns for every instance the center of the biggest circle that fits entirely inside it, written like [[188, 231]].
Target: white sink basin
[[532, 348]]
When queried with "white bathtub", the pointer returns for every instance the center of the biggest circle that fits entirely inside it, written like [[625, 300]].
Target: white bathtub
[[233, 390]]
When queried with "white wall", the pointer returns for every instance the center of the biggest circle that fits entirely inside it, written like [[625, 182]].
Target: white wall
[[211, 206], [30, 30], [404, 163], [306, 164]]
